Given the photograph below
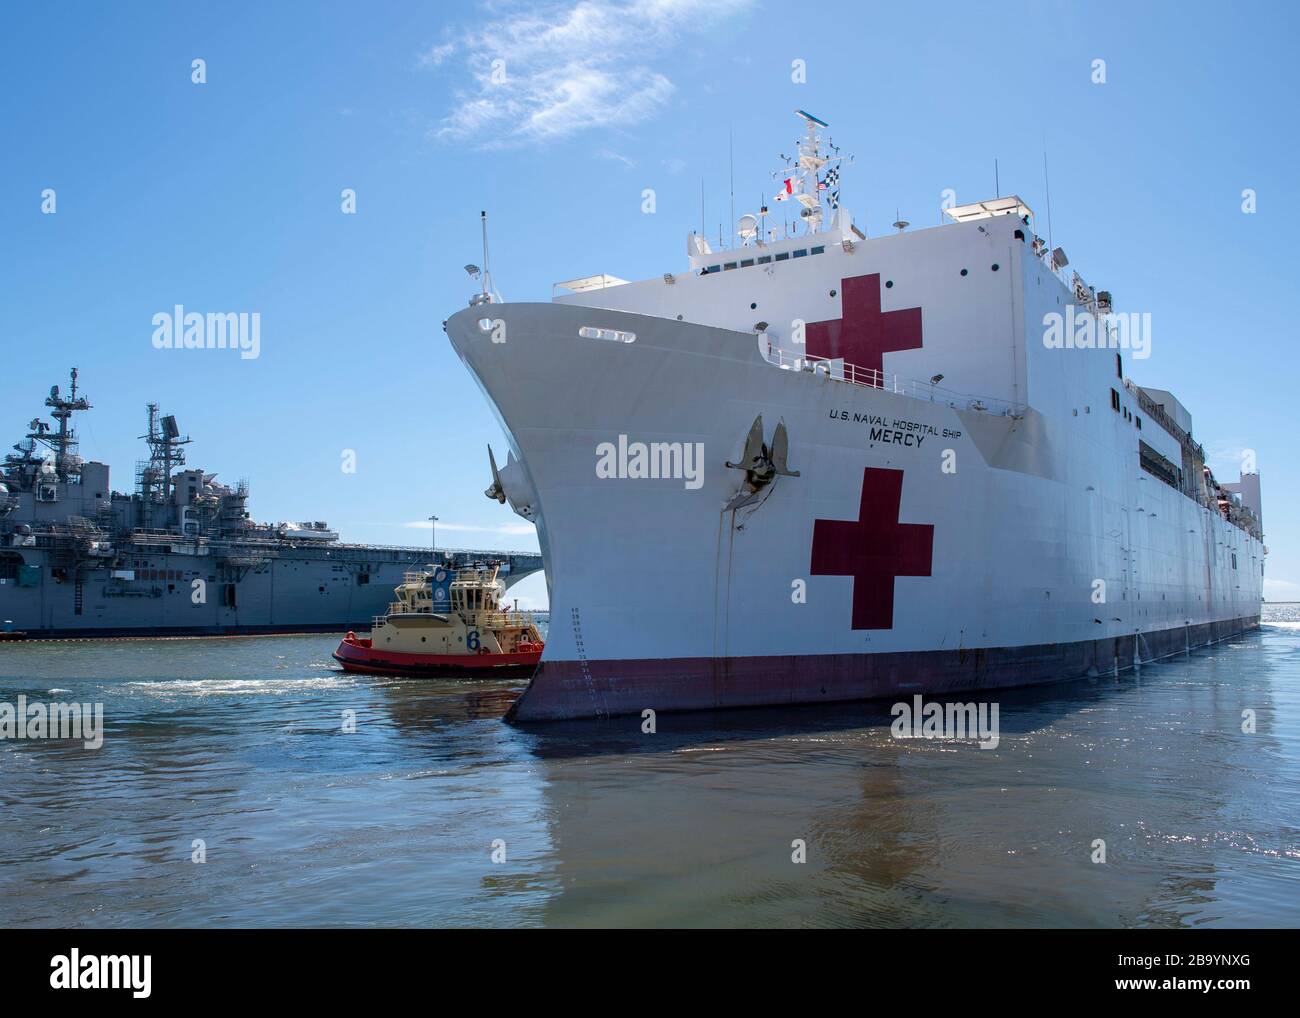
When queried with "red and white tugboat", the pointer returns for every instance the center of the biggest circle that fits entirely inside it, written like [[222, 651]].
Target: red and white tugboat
[[444, 623]]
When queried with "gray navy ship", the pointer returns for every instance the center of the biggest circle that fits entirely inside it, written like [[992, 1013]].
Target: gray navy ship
[[181, 555]]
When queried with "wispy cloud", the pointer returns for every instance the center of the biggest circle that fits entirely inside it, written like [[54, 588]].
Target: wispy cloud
[[536, 73], [616, 157], [505, 529]]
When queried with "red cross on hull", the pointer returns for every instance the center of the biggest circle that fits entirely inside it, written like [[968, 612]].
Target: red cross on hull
[[874, 549], [864, 334]]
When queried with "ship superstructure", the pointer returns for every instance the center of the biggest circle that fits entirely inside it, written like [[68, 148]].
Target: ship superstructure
[[181, 554], [828, 467]]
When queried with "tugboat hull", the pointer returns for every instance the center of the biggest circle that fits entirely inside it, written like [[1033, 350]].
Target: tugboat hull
[[356, 654]]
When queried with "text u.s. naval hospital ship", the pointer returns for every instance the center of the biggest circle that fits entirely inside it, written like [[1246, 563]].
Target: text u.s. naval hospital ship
[[179, 556], [829, 467]]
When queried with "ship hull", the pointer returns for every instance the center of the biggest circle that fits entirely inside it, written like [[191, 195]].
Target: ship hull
[[168, 594], [569, 689], [981, 577], [146, 593]]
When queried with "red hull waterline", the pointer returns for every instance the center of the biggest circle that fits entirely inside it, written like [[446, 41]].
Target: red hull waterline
[[358, 657], [585, 689]]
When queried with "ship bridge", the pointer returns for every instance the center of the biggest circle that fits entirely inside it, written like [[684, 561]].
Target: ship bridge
[[515, 565]]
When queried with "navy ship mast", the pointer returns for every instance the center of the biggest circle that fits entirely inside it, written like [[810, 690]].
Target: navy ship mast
[[154, 475], [31, 470]]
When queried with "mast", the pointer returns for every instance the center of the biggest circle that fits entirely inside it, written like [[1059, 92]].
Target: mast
[[487, 271], [166, 451], [808, 186], [63, 443]]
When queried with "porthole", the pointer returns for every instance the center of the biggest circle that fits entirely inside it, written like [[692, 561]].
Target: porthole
[[833, 292], [995, 266], [752, 306], [963, 272], [889, 284]]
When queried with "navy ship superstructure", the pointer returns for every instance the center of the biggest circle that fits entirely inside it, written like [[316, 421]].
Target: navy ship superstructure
[[181, 554]]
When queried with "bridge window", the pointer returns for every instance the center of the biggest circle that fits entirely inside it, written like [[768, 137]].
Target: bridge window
[[1114, 400]]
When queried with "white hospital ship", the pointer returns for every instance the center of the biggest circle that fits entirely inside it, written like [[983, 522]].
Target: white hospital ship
[[821, 467]]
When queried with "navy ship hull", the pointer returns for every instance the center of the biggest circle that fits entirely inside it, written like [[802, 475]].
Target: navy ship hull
[[310, 590]]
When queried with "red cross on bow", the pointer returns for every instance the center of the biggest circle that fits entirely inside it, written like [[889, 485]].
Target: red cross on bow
[[873, 549], [864, 334]]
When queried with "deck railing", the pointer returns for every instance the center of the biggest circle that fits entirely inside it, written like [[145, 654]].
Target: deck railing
[[840, 370], [486, 619]]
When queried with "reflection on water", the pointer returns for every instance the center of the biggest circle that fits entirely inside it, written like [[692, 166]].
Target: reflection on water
[[242, 744]]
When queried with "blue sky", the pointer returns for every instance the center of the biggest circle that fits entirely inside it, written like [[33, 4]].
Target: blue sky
[[225, 196]]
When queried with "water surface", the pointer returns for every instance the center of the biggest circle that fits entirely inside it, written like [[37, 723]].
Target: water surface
[[241, 743]]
